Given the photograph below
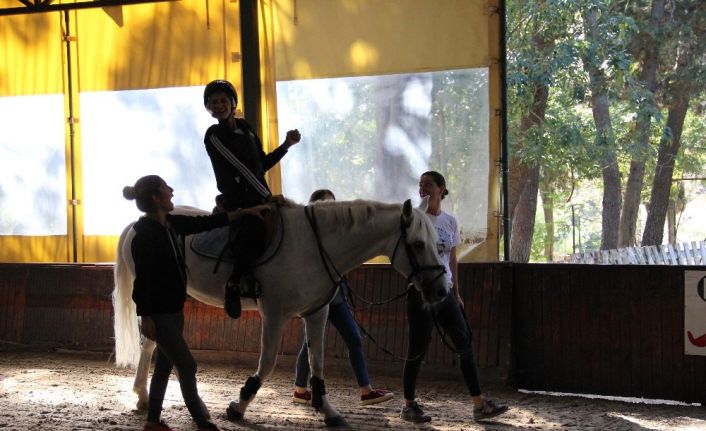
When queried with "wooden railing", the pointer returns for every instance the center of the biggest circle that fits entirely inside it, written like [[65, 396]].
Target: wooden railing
[[685, 253]]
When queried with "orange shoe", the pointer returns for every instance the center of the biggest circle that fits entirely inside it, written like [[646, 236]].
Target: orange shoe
[[302, 397], [375, 396]]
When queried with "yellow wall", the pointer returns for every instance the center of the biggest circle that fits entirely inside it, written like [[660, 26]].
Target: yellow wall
[[190, 42], [377, 37]]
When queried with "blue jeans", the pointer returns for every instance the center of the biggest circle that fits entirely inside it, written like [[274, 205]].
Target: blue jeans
[[342, 319], [450, 318], [172, 352]]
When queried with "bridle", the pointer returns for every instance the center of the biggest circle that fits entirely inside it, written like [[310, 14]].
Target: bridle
[[412, 258]]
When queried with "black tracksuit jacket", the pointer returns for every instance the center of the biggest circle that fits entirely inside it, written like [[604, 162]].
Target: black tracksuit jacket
[[238, 190], [158, 253]]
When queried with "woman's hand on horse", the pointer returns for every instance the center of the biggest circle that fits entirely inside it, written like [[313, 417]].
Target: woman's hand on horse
[[256, 211], [147, 327]]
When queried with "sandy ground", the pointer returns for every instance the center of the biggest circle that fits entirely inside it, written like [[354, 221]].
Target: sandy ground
[[64, 390]]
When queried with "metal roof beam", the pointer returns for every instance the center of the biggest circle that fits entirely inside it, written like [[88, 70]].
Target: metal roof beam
[[41, 6]]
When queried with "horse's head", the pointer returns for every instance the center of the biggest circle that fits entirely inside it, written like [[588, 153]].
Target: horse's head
[[416, 255]]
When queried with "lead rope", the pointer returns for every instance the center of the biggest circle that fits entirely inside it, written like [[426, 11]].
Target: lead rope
[[442, 334]]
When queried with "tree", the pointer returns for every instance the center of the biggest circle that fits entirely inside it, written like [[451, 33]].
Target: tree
[[681, 85], [597, 29], [649, 38]]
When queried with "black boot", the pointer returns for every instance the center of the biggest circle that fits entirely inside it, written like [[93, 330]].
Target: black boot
[[232, 300]]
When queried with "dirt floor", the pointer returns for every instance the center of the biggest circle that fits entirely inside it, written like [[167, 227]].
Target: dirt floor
[[64, 390]]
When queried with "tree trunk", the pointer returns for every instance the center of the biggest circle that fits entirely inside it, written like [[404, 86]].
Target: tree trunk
[[438, 131], [548, 208], [672, 221], [636, 177], [391, 162], [526, 206], [605, 140], [678, 96], [518, 169], [523, 220]]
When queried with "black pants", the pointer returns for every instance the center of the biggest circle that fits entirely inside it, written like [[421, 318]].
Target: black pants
[[172, 351], [246, 244], [450, 318]]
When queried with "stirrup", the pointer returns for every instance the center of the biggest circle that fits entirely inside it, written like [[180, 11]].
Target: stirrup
[[250, 287]]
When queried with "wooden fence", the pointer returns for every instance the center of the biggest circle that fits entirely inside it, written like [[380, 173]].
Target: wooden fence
[[70, 306], [685, 253], [610, 330], [601, 329]]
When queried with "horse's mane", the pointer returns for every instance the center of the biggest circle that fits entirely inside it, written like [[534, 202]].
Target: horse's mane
[[334, 215], [350, 215]]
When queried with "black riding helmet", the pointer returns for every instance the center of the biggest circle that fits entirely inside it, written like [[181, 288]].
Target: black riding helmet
[[220, 85]]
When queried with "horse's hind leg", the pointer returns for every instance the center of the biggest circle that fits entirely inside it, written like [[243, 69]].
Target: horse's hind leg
[[272, 330], [315, 331], [142, 372]]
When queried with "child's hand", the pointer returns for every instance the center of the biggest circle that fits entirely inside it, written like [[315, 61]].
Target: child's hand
[[293, 137]]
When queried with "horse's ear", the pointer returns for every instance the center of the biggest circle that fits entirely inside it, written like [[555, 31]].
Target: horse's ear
[[424, 204], [407, 213]]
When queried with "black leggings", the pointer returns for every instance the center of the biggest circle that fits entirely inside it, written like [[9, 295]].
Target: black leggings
[[246, 243], [450, 318], [172, 351]]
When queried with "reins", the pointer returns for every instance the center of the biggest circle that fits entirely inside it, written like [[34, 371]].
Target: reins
[[442, 334], [337, 278], [331, 269]]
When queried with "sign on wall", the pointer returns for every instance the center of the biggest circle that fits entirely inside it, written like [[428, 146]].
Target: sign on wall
[[695, 313]]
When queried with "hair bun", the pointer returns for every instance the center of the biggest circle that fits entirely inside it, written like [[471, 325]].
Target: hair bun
[[129, 193]]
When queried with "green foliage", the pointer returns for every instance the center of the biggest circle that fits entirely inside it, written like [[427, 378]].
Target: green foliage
[[564, 142]]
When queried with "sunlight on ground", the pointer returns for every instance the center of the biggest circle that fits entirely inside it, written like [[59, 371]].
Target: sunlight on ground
[[674, 424], [25, 384], [47, 387], [35, 386], [609, 398], [517, 415]]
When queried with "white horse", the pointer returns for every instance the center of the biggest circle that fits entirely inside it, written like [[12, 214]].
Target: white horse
[[295, 282]]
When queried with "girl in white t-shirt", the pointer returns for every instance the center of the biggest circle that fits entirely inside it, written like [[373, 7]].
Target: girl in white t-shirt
[[449, 314]]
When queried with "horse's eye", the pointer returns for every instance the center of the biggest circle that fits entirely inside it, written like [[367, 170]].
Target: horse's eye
[[418, 244]]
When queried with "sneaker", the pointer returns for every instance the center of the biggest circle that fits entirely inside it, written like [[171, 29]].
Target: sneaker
[[302, 397], [161, 426], [232, 300], [375, 396], [488, 410], [414, 413], [209, 427]]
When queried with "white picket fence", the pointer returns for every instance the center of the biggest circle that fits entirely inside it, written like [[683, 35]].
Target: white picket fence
[[685, 253]]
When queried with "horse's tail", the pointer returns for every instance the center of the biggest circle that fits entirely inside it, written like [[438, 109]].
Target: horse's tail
[[127, 332]]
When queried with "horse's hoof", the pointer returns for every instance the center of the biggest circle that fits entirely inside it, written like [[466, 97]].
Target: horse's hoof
[[336, 421], [141, 405], [232, 413]]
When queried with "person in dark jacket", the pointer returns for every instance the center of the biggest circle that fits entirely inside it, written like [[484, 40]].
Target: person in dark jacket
[[159, 290], [239, 164]]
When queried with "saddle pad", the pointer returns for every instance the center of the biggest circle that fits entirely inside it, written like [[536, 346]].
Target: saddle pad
[[210, 244]]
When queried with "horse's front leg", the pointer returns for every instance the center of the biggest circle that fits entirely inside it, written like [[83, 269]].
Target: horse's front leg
[[315, 325], [142, 373], [272, 330]]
